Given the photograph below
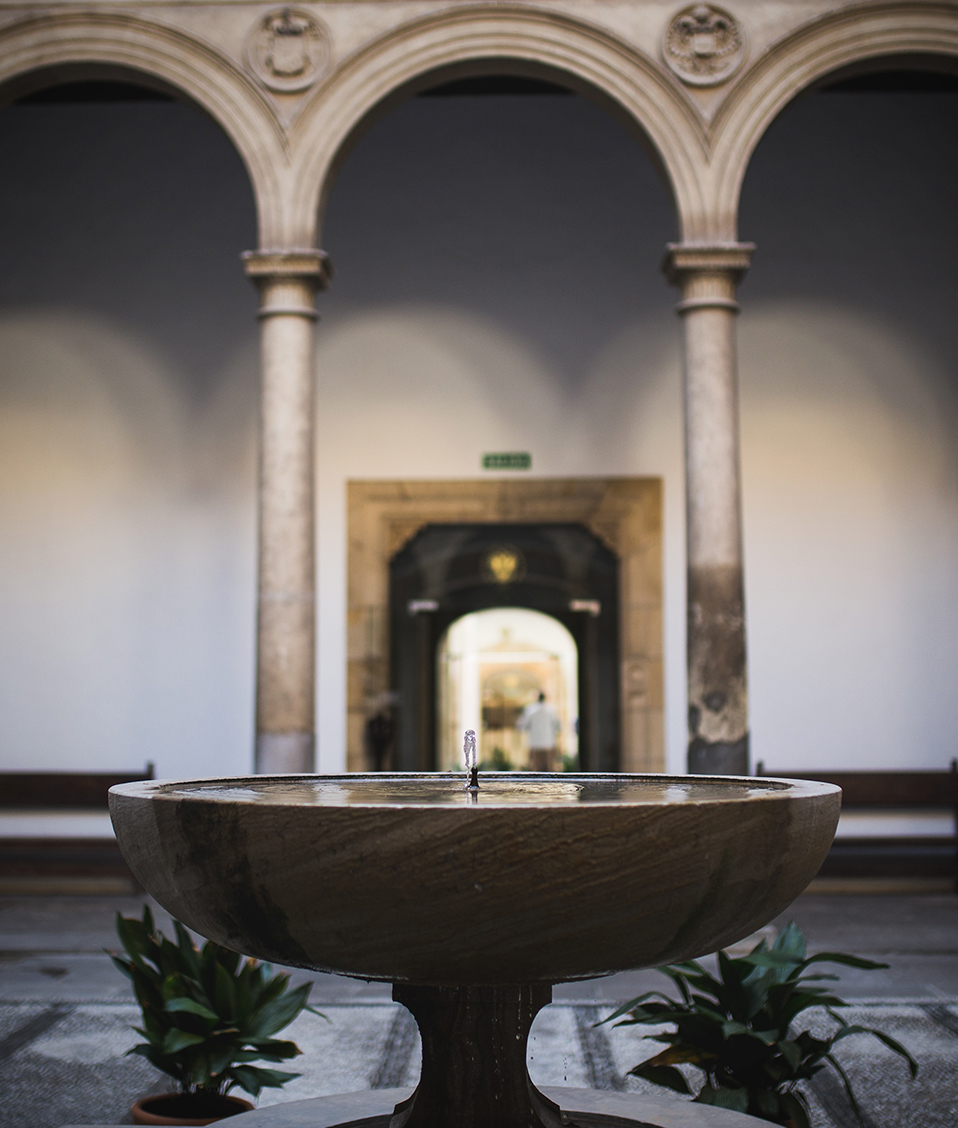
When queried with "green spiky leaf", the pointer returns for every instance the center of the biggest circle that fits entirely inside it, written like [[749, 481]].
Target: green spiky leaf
[[208, 1014], [736, 1029]]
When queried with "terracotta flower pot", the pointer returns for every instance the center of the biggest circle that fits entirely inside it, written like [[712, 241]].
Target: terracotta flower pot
[[187, 1108]]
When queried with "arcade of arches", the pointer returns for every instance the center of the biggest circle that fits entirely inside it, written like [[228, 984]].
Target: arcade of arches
[[294, 89]]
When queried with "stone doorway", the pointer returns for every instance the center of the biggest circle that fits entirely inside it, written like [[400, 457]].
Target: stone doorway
[[620, 516]]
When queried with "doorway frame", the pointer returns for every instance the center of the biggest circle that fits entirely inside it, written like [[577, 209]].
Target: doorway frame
[[625, 513]]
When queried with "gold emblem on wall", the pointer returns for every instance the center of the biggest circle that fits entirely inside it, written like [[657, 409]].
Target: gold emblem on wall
[[288, 49], [504, 564], [704, 45]]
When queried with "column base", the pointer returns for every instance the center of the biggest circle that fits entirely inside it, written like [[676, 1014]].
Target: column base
[[282, 753], [719, 758]]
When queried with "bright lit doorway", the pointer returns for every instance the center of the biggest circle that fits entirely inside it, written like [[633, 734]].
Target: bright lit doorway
[[490, 665]]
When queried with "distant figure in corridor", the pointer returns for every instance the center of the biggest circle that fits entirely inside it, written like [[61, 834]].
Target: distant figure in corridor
[[380, 731], [541, 722]]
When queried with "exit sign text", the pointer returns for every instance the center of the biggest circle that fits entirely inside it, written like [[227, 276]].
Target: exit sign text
[[507, 460]]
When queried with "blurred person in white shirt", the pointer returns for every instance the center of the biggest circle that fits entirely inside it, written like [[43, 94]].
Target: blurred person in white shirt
[[541, 722]]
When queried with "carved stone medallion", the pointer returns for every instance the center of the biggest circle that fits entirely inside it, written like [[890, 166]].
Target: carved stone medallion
[[288, 49], [704, 45]]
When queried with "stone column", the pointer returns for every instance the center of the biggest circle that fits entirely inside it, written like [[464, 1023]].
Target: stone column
[[718, 689], [286, 610]]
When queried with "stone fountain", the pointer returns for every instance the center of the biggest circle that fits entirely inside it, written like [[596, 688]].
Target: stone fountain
[[474, 901]]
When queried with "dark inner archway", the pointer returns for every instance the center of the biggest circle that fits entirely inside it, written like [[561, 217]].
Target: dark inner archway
[[444, 572], [536, 199]]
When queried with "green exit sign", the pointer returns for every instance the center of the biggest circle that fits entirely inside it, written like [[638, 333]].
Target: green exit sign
[[507, 460]]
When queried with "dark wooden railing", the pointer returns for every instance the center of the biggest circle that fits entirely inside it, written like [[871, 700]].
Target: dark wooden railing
[[36, 864], [891, 856], [60, 790]]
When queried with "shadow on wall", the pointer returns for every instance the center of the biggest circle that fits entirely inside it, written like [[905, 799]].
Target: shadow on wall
[[127, 528], [424, 390]]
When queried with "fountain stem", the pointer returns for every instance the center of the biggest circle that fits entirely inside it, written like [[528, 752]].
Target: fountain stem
[[474, 1071]]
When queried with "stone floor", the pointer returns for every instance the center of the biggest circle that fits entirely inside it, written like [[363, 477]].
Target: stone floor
[[65, 1016]]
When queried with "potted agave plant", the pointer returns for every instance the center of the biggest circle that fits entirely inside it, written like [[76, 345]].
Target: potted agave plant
[[208, 1014], [739, 1030]]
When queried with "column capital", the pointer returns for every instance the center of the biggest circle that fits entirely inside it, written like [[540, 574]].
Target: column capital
[[707, 273], [682, 259], [288, 280], [304, 265]]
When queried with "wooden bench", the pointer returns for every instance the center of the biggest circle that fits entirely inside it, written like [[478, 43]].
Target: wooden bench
[[904, 857], [62, 864]]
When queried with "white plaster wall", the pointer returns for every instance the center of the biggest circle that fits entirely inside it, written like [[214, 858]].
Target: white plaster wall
[[127, 573], [850, 411], [848, 392], [497, 288], [127, 457], [851, 486]]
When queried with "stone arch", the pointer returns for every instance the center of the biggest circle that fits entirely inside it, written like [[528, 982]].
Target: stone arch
[[834, 43], [471, 41], [108, 43]]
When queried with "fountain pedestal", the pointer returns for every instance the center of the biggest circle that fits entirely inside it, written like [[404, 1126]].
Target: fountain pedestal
[[474, 1071]]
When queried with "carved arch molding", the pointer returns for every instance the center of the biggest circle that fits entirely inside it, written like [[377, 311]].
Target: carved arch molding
[[293, 85]]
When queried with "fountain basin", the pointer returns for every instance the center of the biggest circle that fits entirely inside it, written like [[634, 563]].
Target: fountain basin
[[542, 879]]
